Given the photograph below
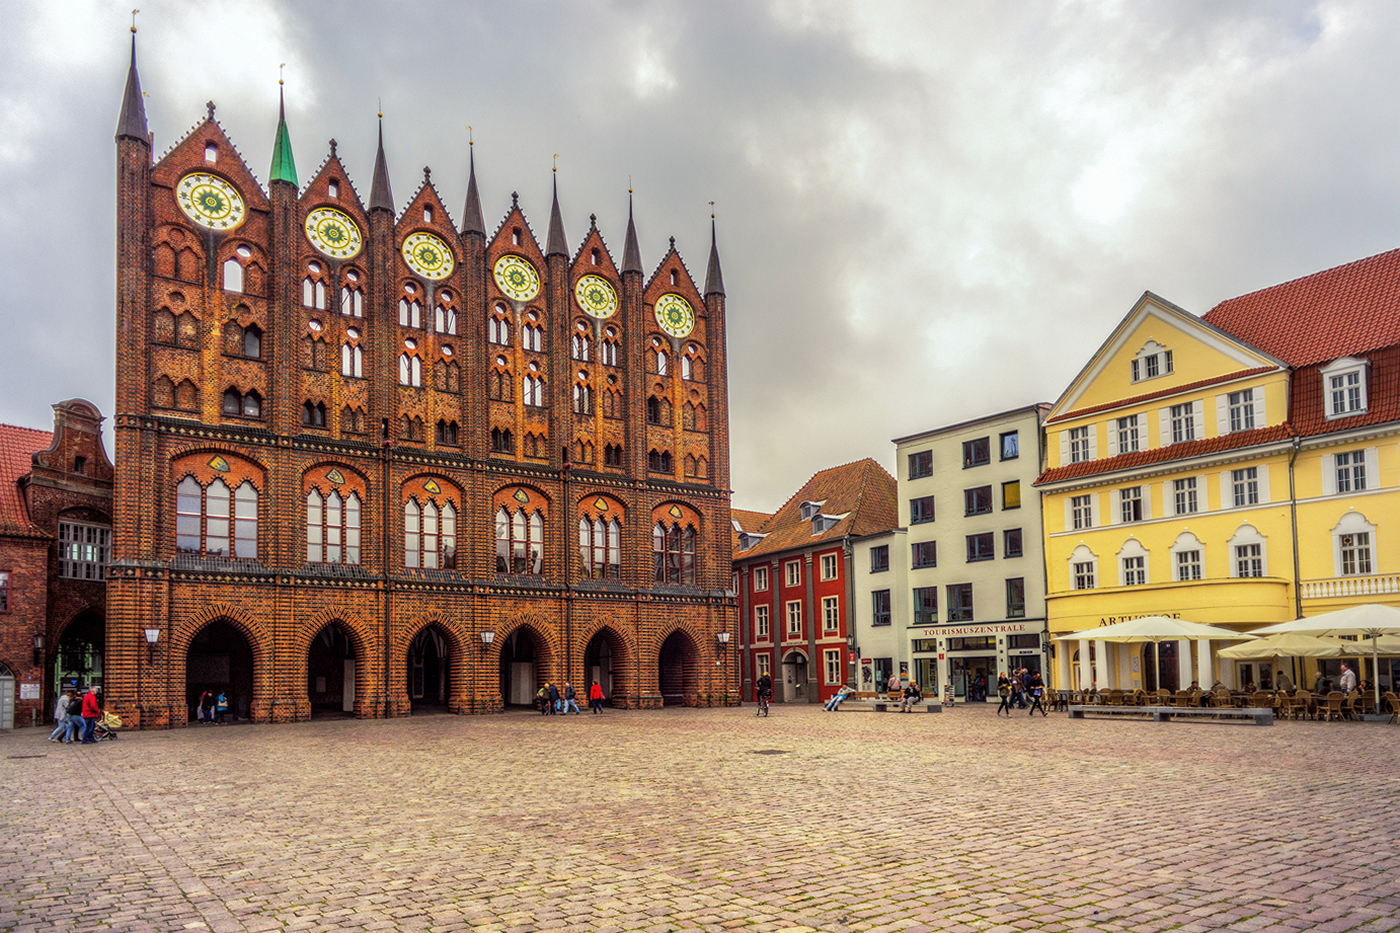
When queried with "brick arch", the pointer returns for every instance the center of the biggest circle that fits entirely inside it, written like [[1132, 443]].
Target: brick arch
[[458, 670], [497, 501], [363, 640], [589, 496], [68, 619], [679, 670], [185, 450], [259, 643], [548, 646], [624, 653]]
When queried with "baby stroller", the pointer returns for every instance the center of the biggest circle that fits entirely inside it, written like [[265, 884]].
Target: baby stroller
[[107, 725]]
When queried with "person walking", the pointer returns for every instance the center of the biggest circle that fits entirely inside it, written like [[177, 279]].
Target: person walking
[[1348, 679], [553, 698], [1004, 691], [60, 718], [206, 707], [895, 686], [75, 718], [595, 698], [569, 699], [90, 713], [221, 706], [1037, 692], [542, 700]]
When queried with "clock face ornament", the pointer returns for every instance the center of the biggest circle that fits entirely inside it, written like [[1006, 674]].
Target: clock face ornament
[[333, 233], [596, 297], [428, 256], [210, 201], [675, 316], [516, 278]]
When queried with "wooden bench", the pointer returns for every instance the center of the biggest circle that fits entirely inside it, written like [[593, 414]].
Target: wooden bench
[[881, 703], [1262, 716]]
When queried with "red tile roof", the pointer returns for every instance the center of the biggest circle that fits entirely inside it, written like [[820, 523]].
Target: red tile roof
[[747, 521], [1309, 401], [862, 491], [1175, 390], [17, 446], [1338, 312], [1184, 451]]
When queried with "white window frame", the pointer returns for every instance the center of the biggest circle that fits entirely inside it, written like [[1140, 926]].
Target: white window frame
[[793, 613], [1133, 564], [760, 579], [1126, 436], [1081, 512], [1352, 525], [1083, 567], [1370, 463], [831, 614], [1152, 356], [793, 571], [1142, 496], [830, 567], [832, 657], [1338, 371], [1183, 491], [1079, 444], [763, 664], [1187, 543], [761, 623], [1260, 481], [1247, 536]]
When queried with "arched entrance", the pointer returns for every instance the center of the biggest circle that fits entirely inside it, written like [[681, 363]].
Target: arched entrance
[[219, 660], [77, 663], [604, 663], [330, 673], [678, 674], [795, 677], [522, 668], [429, 660]]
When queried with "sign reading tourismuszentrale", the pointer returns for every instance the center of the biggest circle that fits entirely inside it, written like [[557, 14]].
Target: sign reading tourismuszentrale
[[986, 628]]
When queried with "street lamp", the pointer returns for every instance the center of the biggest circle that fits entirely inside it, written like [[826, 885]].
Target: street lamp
[[152, 637], [38, 648]]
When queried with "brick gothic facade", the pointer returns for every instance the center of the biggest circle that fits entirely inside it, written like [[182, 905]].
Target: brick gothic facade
[[338, 475]]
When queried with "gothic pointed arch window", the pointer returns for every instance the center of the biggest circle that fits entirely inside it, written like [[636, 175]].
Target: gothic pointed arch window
[[499, 384], [520, 515], [583, 395], [430, 510], [532, 387], [531, 332], [410, 307], [658, 359], [674, 543], [600, 538], [498, 326], [313, 286], [216, 507], [313, 414], [234, 268], [445, 314], [410, 370], [334, 510], [352, 295], [502, 441], [352, 355], [608, 351], [580, 343]]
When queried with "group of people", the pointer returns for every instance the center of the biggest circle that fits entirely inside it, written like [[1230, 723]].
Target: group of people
[[552, 701], [212, 706], [75, 717], [1021, 689]]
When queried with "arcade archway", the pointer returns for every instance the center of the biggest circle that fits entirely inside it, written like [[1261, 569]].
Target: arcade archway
[[794, 678], [219, 660], [429, 663], [522, 667], [330, 673], [77, 663], [605, 663], [678, 674]]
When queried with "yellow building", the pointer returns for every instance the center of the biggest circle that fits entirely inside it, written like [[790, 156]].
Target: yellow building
[[1239, 469]]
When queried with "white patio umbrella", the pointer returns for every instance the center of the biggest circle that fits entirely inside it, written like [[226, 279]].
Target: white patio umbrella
[[1285, 645], [1154, 629], [1371, 621]]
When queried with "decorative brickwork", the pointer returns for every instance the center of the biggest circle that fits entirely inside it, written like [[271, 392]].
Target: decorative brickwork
[[389, 453]]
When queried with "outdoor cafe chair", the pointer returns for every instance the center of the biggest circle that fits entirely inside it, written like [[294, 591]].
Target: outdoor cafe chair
[[1334, 706], [1304, 704], [1221, 698], [1163, 697], [1183, 699], [1391, 704]]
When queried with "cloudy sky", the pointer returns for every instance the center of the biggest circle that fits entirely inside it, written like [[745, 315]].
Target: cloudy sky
[[927, 211]]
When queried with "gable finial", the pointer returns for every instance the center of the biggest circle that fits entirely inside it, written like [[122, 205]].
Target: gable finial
[[556, 162], [209, 105], [712, 210], [280, 69], [514, 199], [470, 141], [427, 175], [333, 145], [673, 242], [133, 20]]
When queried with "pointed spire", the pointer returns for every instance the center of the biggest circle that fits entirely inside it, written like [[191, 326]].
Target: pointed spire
[[284, 167], [714, 279], [379, 195], [132, 122], [631, 255], [554, 242], [472, 221]]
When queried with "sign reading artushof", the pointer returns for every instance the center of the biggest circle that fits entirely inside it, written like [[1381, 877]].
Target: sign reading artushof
[[987, 628]]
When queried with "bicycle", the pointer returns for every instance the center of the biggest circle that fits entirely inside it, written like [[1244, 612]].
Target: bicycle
[[762, 705]]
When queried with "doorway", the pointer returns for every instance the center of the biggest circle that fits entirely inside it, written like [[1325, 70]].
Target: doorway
[[795, 678], [330, 673], [78, 662], [219, 660], [678, 671], [428, 659], [603, 664], [966, 674], [7, 698], [520, 670]]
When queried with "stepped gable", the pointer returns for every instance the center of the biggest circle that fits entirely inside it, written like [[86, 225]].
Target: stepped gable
[[1343, 311], [17, 449], [863, 493]]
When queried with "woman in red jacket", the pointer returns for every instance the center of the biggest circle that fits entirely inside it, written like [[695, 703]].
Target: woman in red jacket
[[595, 698], [90, 714]]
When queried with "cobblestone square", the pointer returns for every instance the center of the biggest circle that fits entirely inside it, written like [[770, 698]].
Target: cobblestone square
[[706, 820]]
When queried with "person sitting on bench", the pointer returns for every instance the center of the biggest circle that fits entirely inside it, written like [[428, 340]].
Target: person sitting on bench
[[912, 696]]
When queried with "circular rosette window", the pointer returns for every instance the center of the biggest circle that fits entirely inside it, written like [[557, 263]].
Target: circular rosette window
[[428, 256], [516, 278], [210, 201], [333, 233], [675, 316], [596, 297]]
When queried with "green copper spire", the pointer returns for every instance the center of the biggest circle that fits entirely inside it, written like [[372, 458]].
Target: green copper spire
[[284, 167]]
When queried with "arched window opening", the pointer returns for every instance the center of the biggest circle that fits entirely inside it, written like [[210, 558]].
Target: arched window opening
[[673, 553], [410, 370], [445, 315], [313, 415], [352, 361], [252, 342], [212, 522], [578, 347], [583, 398], [233, 276], [447, 432], [533, 389], [600, 548], [519, 541], [502, 441], [332, 528]]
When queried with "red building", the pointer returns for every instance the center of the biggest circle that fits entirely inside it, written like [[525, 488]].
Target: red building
[[55, 535], [793, 575]]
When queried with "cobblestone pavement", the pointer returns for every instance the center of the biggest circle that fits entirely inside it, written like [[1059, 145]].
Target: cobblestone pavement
[[706, 819]]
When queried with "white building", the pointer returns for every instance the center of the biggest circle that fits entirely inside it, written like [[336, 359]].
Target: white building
[[973, 603], [880, 597]]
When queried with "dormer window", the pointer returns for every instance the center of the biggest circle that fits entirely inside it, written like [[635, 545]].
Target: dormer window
[[1153, 360], [824, 523], [1344, 385], [748, 539], [810, 509]]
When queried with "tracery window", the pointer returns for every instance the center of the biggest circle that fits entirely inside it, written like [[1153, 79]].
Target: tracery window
[[246, 405], [608, 352], [600, 543], [583, 395], [532, 388], [429, 535], [352, 297], [531, 334], [673, 553], [214, 522], [499, 384], [578, 346], [313, 414], [410, 309], [410, 370], [352, 359], [332, 528], [519, 540], [313, 287], [498, 327], [502, 441], [445, 314]]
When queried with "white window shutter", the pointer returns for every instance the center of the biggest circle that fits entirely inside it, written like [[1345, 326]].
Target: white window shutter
[[1222, 414], [1093, 441], [1069, 515], [1168, 503], [1329, 475], [1147, 501], [1198, 415], [1261, 416], [1164, 427], [1113, 437], [1115, 507], [1094, 509], [1373, 475], [1064, 449], [1227, 491], [1264, 485]]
